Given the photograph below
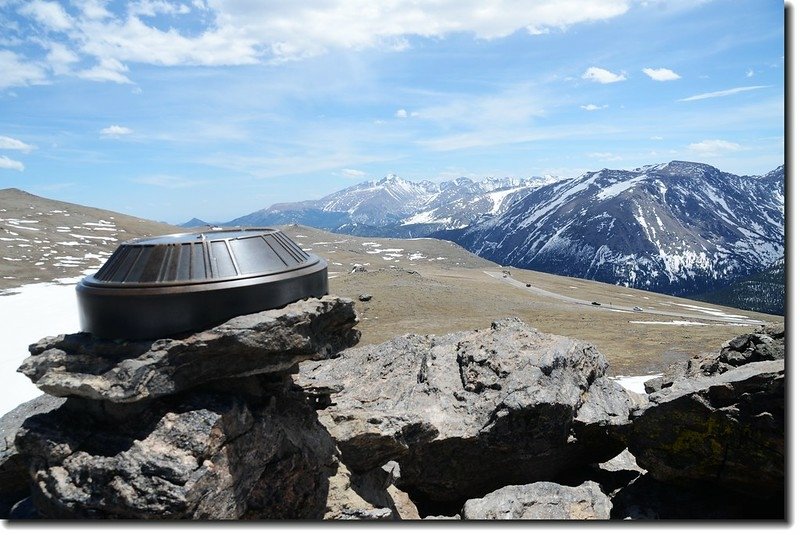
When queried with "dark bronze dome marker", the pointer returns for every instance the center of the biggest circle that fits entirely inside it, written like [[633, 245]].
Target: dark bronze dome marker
[[166, 285]]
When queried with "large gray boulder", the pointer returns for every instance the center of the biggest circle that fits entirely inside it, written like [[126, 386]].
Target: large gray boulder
[[543, 500], [200, 455], [126, 372], [467, 413], [725, 430]]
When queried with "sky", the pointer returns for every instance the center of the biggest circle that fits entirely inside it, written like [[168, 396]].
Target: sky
[[173, 109]]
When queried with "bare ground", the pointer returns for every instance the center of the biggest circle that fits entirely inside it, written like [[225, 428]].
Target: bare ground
[[437, 287]]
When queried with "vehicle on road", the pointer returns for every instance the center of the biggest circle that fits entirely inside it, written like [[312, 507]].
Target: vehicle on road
[[595, 303], [637, 309]]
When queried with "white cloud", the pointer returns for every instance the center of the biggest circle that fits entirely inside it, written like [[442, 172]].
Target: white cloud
[[723, 93], [49, 14], [656, 138], [596, 74], [8, 163], [16, 71], [749, 73], [132, 40], [240, 32], [594, 107], [401, 113], [151, 8], [353, 173], [108, 70], [93, 9], [9, 143], [300, 29], [714, 147], [661, 75], [115, 131], [60, 58]]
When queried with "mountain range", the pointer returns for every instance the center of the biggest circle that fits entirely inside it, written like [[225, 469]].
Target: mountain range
[[394, 207], [680, 228]]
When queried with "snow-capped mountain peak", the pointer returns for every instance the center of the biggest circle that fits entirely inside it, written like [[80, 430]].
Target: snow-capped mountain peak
[[678, 227]]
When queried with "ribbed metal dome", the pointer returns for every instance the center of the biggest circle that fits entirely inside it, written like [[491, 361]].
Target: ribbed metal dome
[[210, 256], [165, 285]]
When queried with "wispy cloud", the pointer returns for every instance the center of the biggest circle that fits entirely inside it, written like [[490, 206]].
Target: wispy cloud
[[8, 163], [661, 75], [353, 173], [115, 131], [750, 73], [107, 70], [216, 33], [9, 143], [603, 76], [714, 147], [49, 14], [16, 71], [594, 107], [723, 93], [605, 156]]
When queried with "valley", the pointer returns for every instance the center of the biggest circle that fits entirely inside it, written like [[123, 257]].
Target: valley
[[430, 286]]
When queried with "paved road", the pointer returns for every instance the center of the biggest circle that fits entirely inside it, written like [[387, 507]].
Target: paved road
[[508, 279]]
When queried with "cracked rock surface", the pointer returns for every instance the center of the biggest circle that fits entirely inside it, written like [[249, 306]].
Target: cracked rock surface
[[126, 372], [467, 413]]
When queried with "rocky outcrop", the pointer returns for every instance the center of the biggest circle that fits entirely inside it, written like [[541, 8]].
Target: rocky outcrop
[[464, 414], [125, 372], [206, 455], [541, 501], [209, 426], [720, 421], [726, 429], [766, 343], [505, 422]]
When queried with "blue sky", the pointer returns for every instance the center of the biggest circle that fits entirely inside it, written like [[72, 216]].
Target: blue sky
[[170, 109]]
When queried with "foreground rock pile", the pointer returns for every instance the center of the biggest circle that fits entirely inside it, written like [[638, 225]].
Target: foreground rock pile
[[467, 413], [276, 415]]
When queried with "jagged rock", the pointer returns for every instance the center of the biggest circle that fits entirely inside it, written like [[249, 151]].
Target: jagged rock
[[358, 268], [467, 413], [624, 462], [365, 297], [726, 430], [197, 455], [122, 372], [766, 343], [541, 501], [13, 468]]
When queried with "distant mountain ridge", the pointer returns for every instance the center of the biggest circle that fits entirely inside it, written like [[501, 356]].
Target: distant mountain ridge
[[393, 206], [679, 228]]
